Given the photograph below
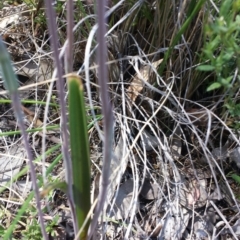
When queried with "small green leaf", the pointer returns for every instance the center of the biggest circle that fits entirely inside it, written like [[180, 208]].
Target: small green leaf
[[214, 86], [227, 80], [228, 55], [206, 68], [56, 185], [236, 178], [2, 230]]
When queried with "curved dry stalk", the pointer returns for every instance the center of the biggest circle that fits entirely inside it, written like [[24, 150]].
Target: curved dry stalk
[[107, 113]]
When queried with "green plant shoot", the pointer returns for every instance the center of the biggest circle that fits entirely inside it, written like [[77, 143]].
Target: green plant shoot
[[79, 151]]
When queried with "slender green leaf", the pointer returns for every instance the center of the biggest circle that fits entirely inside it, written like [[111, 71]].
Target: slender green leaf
[[6, 69], [56, 185], [181, 31], [29, 130], [206, 68], [26, 169], [214, 86], [26, 203], [2, 100], [17, 218], [79, 151]]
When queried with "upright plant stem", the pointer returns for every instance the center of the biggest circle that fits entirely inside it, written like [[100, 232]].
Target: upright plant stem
[[176, 38], [11, 85], [68, 56], [19, 115], [106, 110], [52, 26], [80, 153]]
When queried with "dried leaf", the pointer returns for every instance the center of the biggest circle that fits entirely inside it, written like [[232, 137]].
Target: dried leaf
[[118, 167], [37, 71], [137, 83], [194, 194], [149, 190], [176, 144], [235, 156], [121, 209], [175, 223], [11, 163], [235, 228], [150, 142], [31, 117], [11, 19], [23, 188]]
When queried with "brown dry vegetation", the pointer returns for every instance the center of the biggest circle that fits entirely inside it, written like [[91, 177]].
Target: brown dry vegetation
[[176, 146]]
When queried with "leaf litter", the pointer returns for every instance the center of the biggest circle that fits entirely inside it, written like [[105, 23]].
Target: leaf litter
[[175, 181]]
